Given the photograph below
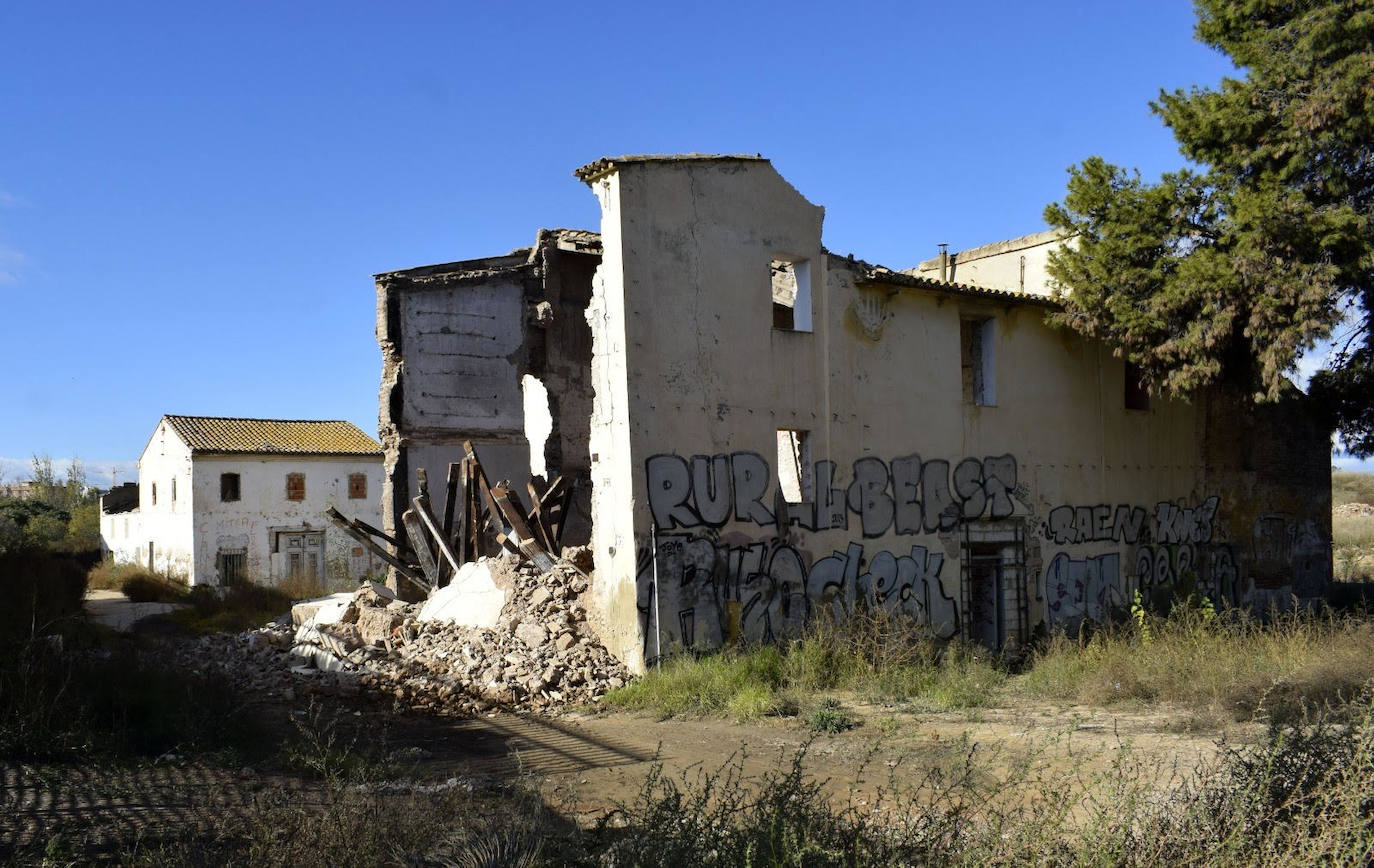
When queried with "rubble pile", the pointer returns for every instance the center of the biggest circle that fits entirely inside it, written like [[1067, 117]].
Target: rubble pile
[[537, 649]]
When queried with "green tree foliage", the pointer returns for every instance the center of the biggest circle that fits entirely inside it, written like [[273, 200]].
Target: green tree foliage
[[1227, 271]]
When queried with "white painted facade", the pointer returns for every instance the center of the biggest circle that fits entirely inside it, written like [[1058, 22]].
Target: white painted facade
[[187, 524]]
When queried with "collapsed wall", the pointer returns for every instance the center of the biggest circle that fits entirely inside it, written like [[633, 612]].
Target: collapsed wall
[[495, 351]]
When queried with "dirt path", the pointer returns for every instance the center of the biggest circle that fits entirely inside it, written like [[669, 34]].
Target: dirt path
[[586, 764]]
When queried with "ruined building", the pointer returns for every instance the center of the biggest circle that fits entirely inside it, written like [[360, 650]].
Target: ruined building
[[762, 430]]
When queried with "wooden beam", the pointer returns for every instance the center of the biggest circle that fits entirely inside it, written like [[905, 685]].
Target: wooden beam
[[450, 499], [417, 538], [427, 518], [509, 504], [402, 568]]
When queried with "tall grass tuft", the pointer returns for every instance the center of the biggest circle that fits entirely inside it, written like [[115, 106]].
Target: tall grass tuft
[[874, 654], [1227, 663]]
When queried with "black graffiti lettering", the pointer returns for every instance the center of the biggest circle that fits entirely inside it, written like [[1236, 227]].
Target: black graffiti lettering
[[751, 478], [941, 513], [908, 497], [999, 480], [968, 487], [830, 505], [1130, 520], [869, 498], [906, 480], [711, 488], [670, 490]]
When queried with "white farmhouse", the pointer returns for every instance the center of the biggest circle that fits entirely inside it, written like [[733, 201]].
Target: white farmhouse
[[223, 500]]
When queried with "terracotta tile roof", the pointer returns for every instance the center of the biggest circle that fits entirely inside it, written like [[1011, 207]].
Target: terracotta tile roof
[[871, 274], [275, 436]]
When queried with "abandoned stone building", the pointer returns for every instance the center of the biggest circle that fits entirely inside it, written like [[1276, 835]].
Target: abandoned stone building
[[221, 500], [762, 430]]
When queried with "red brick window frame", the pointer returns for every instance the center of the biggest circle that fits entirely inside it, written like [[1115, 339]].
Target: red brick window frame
[[357, 486], [295, 486]]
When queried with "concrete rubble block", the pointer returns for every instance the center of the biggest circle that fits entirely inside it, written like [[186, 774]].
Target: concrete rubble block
[[532, 635], [375, 625], [374, 594], [332, 609], [474, 598]]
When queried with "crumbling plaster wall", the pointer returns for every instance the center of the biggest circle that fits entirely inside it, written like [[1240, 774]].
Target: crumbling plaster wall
[[692, 384], [457, 341], [249, 523], [167, 524]]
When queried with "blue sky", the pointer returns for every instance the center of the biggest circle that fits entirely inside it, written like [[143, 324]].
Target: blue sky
[[193, 196]]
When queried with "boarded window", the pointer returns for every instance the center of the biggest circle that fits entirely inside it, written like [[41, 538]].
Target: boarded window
[[357, 486], [977, 361], [295, 486], [228, 487], [794, 465], [1137, 397], [790, 283]]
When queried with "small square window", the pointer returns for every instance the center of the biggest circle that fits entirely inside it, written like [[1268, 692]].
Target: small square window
[[295, 486], [357, 486], [1136, 397], [229, 487], [790, 284]]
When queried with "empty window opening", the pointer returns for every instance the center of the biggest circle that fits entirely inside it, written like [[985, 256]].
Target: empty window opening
[[538, 421], [794, 465], [228, 487], [230, 566], [357, 486], [1137, 397], [791, 288], [295, 486], [976, 360], [154, 494], [174, 489]]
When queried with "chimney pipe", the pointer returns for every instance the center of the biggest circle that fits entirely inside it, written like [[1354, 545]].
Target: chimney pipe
[[944, 262]]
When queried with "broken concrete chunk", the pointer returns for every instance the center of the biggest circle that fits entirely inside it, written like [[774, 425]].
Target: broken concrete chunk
[[566, 641], [375, 625], [472, 598], [322, 610], [532, 635]]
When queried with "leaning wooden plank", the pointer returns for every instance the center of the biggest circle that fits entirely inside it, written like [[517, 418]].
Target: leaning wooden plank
[[402, 568], [563, 512], [385, 537], [450, 500], [469, 519], [509, 504], [417, 538], [427, 518], [537, 520]]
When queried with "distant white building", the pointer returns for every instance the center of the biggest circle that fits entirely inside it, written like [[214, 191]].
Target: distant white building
[[222, 500]]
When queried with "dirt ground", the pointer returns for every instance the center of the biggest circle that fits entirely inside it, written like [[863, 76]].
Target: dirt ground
[[588, 762], [585, 764]]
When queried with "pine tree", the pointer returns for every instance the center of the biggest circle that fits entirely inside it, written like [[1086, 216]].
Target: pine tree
[[1228, 271]]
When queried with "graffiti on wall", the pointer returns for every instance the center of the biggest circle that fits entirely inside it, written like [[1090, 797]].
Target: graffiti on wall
[[904, 496], [1174, 545], [1287, 550], [710, 592]]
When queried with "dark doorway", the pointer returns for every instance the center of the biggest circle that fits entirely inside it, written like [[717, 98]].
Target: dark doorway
[[986, 592]]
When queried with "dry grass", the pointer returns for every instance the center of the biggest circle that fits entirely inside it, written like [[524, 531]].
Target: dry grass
[[1224, 664]]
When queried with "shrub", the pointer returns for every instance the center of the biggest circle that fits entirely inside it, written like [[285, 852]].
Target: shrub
[[41, 590], [144, 586]]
